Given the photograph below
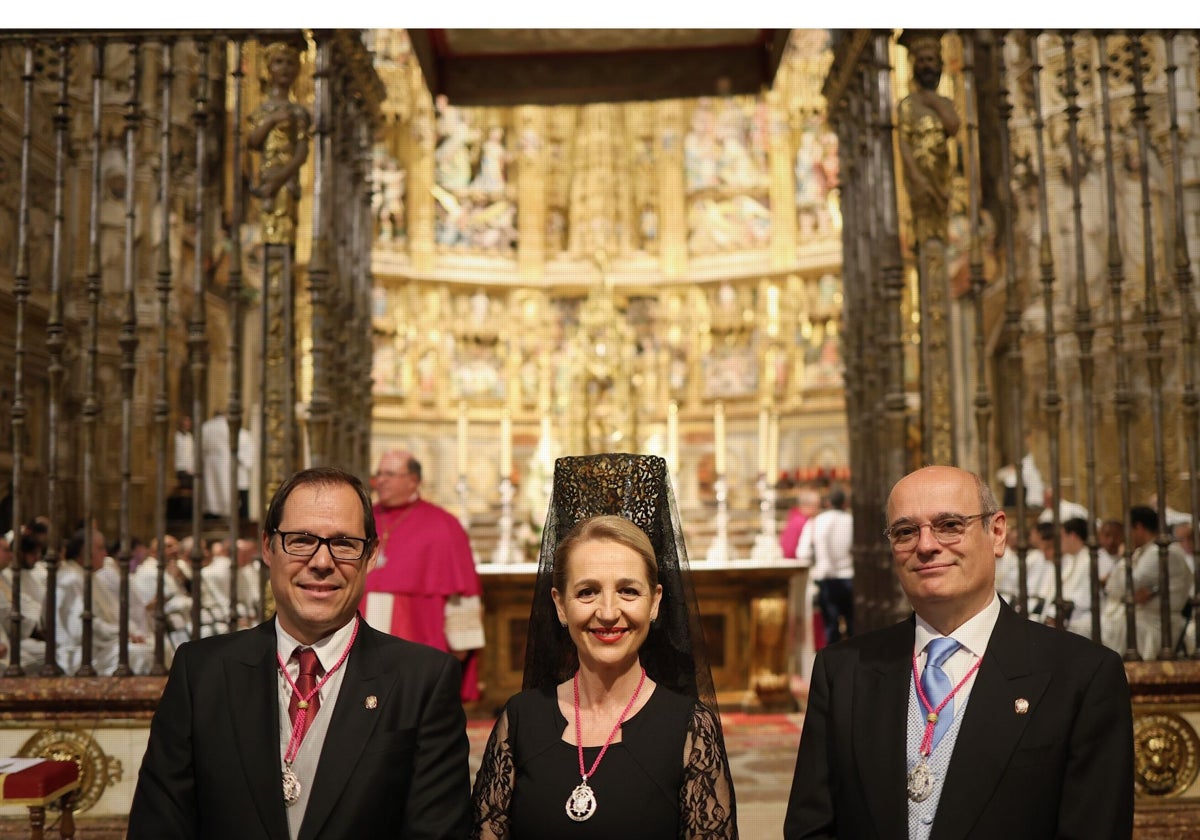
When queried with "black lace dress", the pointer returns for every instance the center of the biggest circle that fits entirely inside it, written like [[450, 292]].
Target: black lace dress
[[667, 778]]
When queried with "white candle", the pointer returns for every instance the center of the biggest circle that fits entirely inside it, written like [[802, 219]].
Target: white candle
[[719, 438], [462, 438], [764, 441], [505, 445], [673, 437], [773, 449]]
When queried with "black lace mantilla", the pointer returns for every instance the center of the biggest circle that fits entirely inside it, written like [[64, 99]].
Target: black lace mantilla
[[636, 487]]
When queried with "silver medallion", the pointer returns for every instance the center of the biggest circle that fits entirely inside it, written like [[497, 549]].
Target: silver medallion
[[581, 804], [291, 786], [920, 781]]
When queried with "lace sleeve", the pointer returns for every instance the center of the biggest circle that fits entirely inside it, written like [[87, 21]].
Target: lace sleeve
[[707, 807], [494, 786]]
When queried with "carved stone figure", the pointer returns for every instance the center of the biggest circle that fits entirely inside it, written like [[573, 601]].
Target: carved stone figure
[[452, 157], [279, 129], [927, 119], [492, 161]]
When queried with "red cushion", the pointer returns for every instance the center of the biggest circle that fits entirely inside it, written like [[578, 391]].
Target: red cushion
[[42, 783]]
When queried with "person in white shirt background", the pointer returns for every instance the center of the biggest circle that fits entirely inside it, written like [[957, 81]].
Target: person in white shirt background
[[825, 543]]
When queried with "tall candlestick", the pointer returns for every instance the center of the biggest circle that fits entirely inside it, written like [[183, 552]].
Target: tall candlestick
[[773, 449], [673, 436], [462, 438], [719, 438], [505, 445], [764, 441]]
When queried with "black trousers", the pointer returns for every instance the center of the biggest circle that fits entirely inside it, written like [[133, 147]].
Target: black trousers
[[835, 599]]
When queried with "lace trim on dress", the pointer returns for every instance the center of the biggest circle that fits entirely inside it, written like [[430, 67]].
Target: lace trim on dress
[[706, 800], [493, 793]]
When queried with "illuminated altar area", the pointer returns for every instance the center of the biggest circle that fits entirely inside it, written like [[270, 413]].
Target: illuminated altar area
[[592, 271], [554, 280]]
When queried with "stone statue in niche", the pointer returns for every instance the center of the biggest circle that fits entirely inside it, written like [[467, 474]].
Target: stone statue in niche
[[736, 165], [701, 148], [387, 200], [279, 129], [808, 191], [493, 158], [452, 158], [927, 119]]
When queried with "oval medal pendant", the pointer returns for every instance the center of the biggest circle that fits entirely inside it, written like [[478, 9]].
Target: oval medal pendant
[[291, 786], [581, 804], [920, 782]]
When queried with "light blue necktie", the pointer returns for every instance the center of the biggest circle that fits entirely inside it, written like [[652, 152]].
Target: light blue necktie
[[936, 683]]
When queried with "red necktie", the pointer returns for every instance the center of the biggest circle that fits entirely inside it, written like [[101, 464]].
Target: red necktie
[[310, 673]]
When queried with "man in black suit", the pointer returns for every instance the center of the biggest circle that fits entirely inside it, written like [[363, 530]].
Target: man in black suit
[[1036, 740], [312, 725]]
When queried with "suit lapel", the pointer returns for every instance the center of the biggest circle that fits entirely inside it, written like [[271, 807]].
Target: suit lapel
[[880, 720], [253, 684], [350, 728], [991, 729]]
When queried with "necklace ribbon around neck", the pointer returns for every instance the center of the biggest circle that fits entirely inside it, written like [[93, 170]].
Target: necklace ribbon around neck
[[920, 778], [291, 782], [581, 804]]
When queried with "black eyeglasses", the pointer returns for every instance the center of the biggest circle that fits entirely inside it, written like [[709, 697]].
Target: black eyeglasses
[[303, 544], [946, 529]]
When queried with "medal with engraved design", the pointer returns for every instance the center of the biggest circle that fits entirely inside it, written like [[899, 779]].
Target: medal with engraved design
[[920, 781], [291, 786], [920, 778], [291, 782], [581, 804]]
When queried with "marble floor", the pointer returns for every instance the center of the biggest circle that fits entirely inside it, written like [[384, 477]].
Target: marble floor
[[762, 754]]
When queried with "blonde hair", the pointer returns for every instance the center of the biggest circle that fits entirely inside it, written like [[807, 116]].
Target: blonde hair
[[607, 528]]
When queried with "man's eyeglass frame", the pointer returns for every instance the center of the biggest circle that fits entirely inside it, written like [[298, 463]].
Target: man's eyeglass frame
[[284, 537], [940, 521]]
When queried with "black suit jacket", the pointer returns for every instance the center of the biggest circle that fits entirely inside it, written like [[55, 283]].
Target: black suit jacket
[[1063, 769], [212, 769]]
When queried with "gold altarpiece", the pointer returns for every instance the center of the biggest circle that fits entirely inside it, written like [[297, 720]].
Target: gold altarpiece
[[584, 273], [590, 265]]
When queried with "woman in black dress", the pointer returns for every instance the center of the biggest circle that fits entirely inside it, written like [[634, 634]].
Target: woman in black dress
[[618, 717]]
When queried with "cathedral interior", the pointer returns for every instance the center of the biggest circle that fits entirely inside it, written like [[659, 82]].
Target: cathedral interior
[[780, 259]]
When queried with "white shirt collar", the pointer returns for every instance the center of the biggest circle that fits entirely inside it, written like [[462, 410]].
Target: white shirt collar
[[972, 635], [329, 649]]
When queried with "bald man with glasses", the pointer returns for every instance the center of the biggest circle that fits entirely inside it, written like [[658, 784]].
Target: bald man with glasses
[[964, 721], [425, 564], [312, 724]]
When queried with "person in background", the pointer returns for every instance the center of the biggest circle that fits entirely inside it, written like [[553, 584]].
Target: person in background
[[185, 453], [964, 720], [425, 559], [808, 502], [1111, 536], [1182, 533], [825, 544], [1076, 582], [1143, 536]]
